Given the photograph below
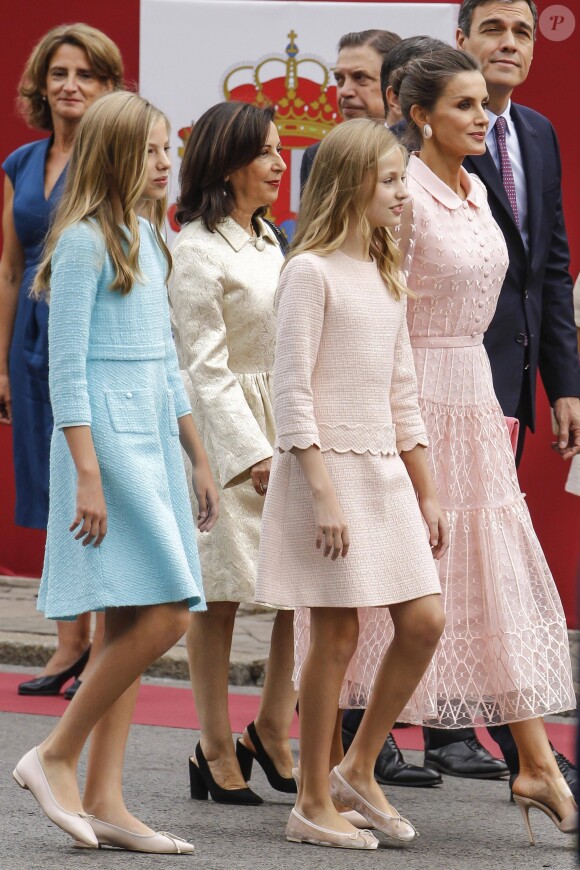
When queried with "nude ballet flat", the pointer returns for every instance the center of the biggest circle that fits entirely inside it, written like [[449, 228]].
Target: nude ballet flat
[[567, 825], [356, 820], [395, 827], [300, 830], [161, 843], [29, 774]]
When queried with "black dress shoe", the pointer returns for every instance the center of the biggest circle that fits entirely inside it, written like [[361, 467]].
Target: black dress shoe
[[53, 684], [392, 769], [568, 770], [466, 758], [71, 690]]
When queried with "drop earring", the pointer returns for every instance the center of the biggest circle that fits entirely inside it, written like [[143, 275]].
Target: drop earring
[[427, 131]]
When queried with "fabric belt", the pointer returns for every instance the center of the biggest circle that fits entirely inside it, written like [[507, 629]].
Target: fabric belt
[[446, 341]]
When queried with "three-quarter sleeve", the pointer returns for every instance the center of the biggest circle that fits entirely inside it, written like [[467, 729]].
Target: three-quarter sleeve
[[300, 319], [409, 427], [182, 406], [196, 295], [77, 264]]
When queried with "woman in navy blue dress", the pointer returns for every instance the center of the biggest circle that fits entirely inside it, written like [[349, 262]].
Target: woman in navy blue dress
[[67, 71]]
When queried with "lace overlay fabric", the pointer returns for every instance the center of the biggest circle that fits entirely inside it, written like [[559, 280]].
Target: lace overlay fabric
[[504, 654]]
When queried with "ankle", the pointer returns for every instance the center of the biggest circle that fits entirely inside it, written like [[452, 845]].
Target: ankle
[[217, 750]]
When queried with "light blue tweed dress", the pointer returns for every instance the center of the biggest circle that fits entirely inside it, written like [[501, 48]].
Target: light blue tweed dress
[[113, 367]]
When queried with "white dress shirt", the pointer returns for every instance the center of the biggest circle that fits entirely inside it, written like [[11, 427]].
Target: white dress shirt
[[515, 155]]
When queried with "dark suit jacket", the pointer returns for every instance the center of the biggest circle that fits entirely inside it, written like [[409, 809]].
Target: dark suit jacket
[[534, 321], [306, 164]]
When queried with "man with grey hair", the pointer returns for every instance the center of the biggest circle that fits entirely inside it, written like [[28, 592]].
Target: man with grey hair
[[358, 80]]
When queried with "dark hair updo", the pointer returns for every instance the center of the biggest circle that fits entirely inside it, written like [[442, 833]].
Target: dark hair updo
[[422, 81]]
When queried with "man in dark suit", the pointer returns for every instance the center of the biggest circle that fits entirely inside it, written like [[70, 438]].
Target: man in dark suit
[[533, 328]]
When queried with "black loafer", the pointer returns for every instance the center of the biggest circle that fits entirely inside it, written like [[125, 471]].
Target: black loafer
[[392, 769], [568, 770], [467, 759], [53, 684]]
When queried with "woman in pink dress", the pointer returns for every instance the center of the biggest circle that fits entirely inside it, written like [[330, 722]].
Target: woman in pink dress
[[346, 406], [504, 656]]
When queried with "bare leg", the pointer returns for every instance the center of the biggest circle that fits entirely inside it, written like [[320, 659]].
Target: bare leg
[[418, 627], [134, 637], [333, 640], [209, 644], [337, 748], [73, 639], [538, 768], [278, 699], [103, 795], [96, 645]]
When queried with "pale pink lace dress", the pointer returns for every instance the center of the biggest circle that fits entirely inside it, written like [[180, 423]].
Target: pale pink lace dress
[[504, 655]]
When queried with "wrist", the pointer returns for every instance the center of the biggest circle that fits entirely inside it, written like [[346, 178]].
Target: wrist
[[89, 473]]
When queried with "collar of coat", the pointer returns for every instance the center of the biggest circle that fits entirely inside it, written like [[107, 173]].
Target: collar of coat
[[237, 237], [475, 193]]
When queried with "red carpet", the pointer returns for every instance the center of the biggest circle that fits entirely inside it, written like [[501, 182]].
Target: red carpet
[[174, 708]]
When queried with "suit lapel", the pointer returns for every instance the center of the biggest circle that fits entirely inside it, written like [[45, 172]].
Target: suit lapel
[[484, 166], [532, 160]]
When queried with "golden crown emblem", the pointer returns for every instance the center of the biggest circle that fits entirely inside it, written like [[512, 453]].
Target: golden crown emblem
[[299, 90]]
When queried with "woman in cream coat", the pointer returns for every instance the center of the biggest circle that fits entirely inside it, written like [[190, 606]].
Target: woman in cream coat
[[227, 262]]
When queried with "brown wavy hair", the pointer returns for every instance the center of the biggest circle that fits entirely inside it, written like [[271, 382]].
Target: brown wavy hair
[[103, 55], [227, 137]]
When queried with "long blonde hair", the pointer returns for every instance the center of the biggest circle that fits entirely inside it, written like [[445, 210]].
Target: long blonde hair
[[339, 189], [109, 154]]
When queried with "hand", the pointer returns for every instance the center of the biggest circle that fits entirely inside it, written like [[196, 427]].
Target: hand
[[207, 496], [91, 513], [331, 525], [567, 413], [5, 400], [260, 475], [438, 526]]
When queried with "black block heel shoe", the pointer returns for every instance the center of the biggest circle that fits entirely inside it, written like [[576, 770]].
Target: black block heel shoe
[[246, 759], [201, 783], [53, 684]]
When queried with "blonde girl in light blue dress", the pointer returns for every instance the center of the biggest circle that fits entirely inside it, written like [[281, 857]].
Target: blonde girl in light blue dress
[[120, 530]]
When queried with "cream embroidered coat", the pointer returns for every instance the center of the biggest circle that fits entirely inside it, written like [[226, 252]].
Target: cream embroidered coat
[[222, 298]]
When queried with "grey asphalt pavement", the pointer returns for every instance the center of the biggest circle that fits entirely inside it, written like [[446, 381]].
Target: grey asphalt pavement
[[464, 825]]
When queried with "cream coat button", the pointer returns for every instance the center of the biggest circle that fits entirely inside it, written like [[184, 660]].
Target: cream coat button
[[129, 395]]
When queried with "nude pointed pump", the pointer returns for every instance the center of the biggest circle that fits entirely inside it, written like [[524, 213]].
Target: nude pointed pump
[[395, 827], [301, 830], [30, 775], [160, 843], [567, 825]]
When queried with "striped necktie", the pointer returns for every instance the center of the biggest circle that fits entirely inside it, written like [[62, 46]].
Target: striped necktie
[[505, 166]]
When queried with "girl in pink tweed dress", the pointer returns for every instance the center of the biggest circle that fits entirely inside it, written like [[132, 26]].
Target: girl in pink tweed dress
[[345, 405]]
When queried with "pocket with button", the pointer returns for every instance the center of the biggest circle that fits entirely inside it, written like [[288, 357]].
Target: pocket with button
[[132, 411]]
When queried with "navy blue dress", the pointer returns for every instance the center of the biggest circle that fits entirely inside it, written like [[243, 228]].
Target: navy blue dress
[[31, 412]]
